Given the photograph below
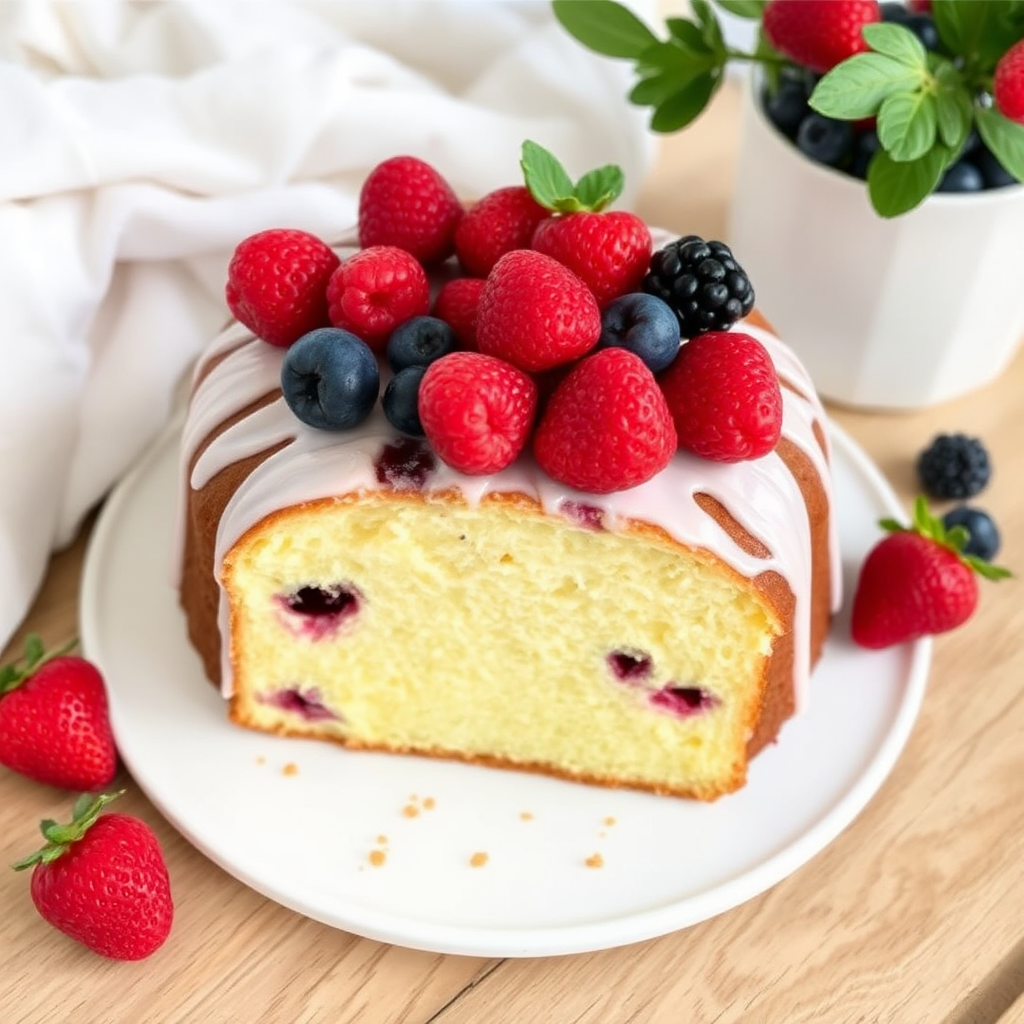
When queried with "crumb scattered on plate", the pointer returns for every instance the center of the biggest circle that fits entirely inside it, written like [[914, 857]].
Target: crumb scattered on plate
[[595, 860], [479, 859], [526, 815], [377, 858], [291, 768]]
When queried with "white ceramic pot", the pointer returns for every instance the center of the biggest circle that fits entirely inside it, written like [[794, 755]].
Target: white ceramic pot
[[886, 314]]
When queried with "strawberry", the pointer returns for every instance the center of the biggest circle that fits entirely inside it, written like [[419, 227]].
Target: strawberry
[[457, 303], [609, 251], [725, 397], [54, 721], [1008, 84], [535, 313], [917, 581], [476, 411], [607, 426], [818, 33], [102, 881], [501, 221], [277, 282], [375, 290], [407, 203]]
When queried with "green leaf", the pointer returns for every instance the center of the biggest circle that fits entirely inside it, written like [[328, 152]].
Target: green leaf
[[59, 837], [604, 26], [896, 187], [743, 8], [897, 42], [600, 187], [545, 177], [688, 34], [979, 31], [856, 87], [1005, 138], [687, 104], [907, 125], [654, 89], [711, 31], [953, 106]]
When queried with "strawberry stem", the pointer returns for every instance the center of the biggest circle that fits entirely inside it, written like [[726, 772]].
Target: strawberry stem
[[35, 656], [59, 837]]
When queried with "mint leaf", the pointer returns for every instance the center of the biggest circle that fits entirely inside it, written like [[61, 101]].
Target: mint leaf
[[1005, 138], [687, 33], [600, 187], [953, 107], [711, 31], [980, 31], [907, 125], [896, 187], [545, 177], [687, 104], [856, 87], [743, 8], [604, 26], [896, 42]]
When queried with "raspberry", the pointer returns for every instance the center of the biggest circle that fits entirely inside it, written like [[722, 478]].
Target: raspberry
[[818, 33], [476, 411], [374, 291], [277, 284], [535, 313], [501, 221], [607, 426], [1008, 84], [405, 202], [609, 251], [725, 398], [457, 304], [954, 466], [702, 282]]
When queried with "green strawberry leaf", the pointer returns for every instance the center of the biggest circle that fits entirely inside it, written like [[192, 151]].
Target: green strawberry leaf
[[59, 837], [896, 187], [35, 656], [600, 187], [907, 125], [604, 26], [857, 87], [549, 182], [1005, 138]]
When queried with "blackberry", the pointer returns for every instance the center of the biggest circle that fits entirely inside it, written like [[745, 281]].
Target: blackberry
[[954, 466], [702, 283]]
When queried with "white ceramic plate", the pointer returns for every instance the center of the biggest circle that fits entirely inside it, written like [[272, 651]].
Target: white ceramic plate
[[304, 836]]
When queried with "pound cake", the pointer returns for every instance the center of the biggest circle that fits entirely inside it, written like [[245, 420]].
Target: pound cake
[[353, 585]]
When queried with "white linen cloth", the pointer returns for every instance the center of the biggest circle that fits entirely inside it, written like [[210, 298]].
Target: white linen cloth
[[139, 142]]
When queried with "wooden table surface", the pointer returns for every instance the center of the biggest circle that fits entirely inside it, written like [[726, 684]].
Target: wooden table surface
[[914, 915]]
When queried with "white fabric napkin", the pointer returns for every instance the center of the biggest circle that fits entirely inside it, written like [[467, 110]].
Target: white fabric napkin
[[139, 142]]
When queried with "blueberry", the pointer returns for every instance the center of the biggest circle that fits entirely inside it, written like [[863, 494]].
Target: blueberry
[[825, 139], [895, 13], [645, 325], [962, 176], [994, 174], [984, 537], [788, 106], [865, 146], [923, 26], [330, 379], [401, 400], [419, 341]]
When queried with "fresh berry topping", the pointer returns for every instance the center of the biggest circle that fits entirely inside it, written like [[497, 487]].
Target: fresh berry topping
[[702, 282], [725, 398], [406, 203], [405, 464], [608, 251], [535, 313], [501, 221], [954, 466], [401, 400], [607, 426], [1008, 84], [315, 613], [825, 140], [683, 701], [54, 720], [630, 665], [818, 33], [102, 880], [983, 538], [476, 411], [277, 284], [917, 581], [330, 379], [418, 342], [457, 304], [375, 290], [645, 326]]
